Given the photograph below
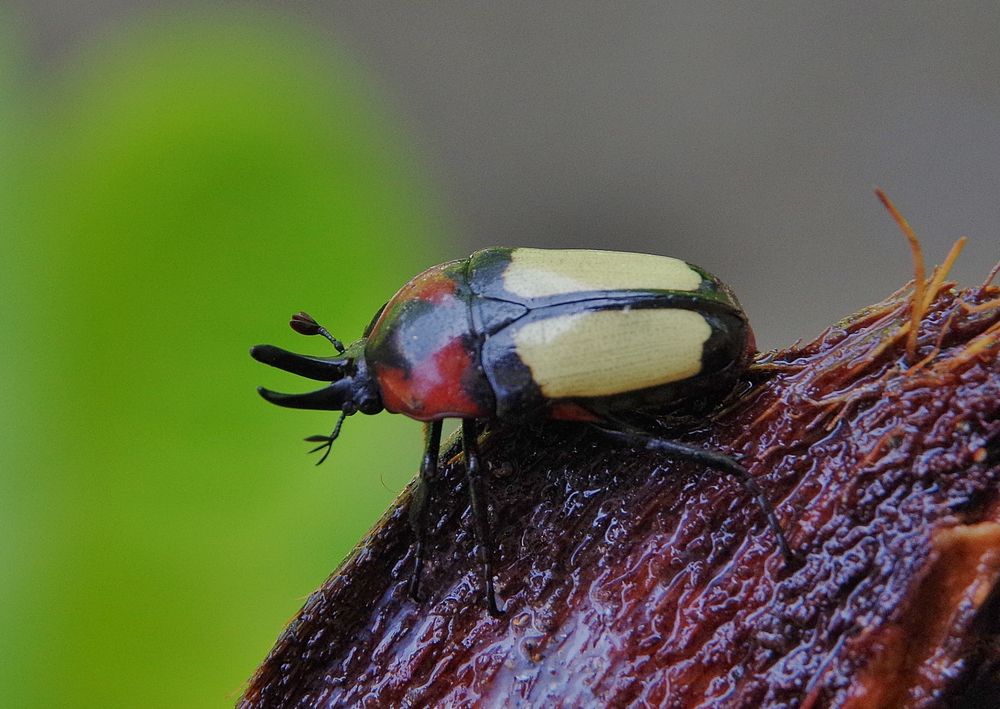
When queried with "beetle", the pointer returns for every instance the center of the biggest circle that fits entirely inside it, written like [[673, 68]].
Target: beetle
[[597, 337]]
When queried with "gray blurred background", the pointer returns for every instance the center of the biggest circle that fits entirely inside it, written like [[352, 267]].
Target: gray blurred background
[[743, 137]]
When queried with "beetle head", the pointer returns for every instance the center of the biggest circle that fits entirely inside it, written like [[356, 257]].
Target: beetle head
[[351, 387]]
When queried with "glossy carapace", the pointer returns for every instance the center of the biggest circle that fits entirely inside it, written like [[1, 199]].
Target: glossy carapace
[[589, 336]]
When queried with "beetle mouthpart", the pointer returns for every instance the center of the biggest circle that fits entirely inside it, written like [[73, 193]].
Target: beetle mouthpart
[[331, 398], [324, 369]]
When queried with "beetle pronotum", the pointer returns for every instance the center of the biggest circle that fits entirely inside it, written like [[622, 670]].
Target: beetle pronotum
[[589, 336]]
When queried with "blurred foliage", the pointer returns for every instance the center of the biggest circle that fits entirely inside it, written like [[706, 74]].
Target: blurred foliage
[[169, 196]]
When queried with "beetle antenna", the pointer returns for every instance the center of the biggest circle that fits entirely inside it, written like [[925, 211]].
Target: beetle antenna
[[338, 345], [327, 441], [305, 324]]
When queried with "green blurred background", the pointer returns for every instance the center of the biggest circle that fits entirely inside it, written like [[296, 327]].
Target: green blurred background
[[175, 182], [169, 199]]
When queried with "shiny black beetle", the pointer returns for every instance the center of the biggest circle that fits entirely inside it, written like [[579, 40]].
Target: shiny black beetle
[[579, 335]]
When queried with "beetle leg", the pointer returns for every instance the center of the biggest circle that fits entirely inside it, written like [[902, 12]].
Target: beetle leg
[[327, 441], [713, 459], [480, 511], [421, 496]]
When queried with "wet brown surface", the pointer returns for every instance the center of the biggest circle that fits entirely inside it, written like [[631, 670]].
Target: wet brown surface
[[630, 579]]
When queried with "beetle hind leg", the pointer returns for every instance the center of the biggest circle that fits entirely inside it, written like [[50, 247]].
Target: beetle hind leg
[[711, 458]]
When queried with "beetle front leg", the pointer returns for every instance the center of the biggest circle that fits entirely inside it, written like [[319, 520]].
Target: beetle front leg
[[713, 459], [480, 512], [421, 497]]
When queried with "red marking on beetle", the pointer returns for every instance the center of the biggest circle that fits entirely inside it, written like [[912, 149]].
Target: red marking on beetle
[[433, 286], [568, 411], [434, 389]]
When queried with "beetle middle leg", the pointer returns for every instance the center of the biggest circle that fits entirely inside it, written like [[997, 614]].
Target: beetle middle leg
[[480, 511], [711, 458], [421, 497]]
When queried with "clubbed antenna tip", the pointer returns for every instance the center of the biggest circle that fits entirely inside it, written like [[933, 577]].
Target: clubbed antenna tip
[[305, 324]]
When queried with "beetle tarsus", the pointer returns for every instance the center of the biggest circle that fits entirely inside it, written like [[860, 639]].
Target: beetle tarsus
[[327, 441], [413, 587], [713, 459]]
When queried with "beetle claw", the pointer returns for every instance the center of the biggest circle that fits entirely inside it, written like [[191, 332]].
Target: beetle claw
[[329, 447]]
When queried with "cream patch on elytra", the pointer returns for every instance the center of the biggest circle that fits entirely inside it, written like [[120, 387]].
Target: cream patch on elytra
[[605, 352], [536, 273]]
